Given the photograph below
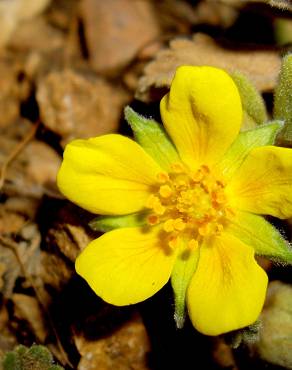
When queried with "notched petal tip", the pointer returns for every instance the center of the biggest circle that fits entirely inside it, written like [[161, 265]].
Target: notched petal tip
[[228, 289], [202, 113]]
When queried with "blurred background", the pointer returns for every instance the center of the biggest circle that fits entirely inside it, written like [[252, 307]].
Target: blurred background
[[67, 70]]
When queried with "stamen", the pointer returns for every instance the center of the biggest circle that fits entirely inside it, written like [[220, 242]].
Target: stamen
[[163, 177], [193, 243], [177, 167], [152, 219], [188, 203], [205, 229], [159, 209], [151, 201], [172, 242], [179, 225], [168, 225], [165, 191]]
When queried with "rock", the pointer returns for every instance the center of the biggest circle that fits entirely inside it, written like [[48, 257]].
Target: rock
[[116, 30], [37, 35], [125, 349], [275, 339], [42, 163], [75, 105], [12, 12]]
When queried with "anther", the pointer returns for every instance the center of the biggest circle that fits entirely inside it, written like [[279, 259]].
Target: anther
[[192, 244], [172, 242], [151, 201], [168, 225], [152, 219], [197, 176], [177, 167], [159, 208], [163, 177], [165, 191], [179, 225], [205, 229], [219, 197]]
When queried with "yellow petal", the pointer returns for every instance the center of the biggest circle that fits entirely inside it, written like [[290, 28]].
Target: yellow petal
[[126, 266], [109, 174], [202, 113], [263, 184], [228, 289]]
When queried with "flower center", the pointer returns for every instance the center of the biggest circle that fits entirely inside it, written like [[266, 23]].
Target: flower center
[[188, 204]]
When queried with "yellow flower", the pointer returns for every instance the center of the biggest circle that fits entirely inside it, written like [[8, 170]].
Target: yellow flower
[[186, 206]]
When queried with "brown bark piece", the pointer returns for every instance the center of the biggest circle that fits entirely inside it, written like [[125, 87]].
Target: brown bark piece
[[7, 339], [260, 66], [54, 271], [117, 30], [77, 106], [70, 239], [27, 308]]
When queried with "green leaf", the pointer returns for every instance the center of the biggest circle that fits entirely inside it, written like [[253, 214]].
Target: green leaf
[[183, 270], [153, 138], [255, 231], [245, 141], [283, 99], [34, 358], [252, 102], [108, 223]]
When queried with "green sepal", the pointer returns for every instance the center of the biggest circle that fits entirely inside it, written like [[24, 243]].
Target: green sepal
[[247, 140], [108, 223], [253, 104], [283, 99], [153, 138], [266, 240], [183, 270]]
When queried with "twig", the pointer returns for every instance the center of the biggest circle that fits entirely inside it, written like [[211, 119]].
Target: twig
[[18, 148]]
